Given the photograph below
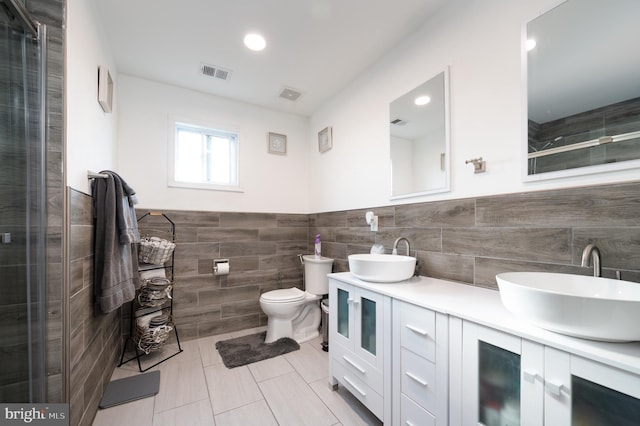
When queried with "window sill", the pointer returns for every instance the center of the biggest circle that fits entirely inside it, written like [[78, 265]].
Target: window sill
[[205, 186]]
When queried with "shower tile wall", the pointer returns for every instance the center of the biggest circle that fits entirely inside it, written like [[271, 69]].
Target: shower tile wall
[[95, 342], [52, 13]]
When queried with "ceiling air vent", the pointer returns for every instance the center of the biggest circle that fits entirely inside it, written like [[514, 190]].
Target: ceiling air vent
[[290, 94], [215, 72], [399, 122]]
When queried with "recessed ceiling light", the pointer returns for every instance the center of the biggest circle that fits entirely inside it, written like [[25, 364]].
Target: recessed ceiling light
[[255, 42], [422, 100], [531, 43]]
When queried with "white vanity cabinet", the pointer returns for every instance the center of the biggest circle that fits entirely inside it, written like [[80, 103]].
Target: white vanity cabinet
[[420, 367], [507, 380], [432, 352], [360, 345]]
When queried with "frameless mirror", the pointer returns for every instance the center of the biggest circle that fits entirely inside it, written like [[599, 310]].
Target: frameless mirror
[[419, 139], [583, 89]]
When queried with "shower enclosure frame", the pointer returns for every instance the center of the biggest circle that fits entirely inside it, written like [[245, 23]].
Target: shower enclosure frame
[[35, 194]]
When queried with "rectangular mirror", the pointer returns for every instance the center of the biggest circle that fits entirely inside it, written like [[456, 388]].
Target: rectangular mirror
[[419, 139], [583, 89]]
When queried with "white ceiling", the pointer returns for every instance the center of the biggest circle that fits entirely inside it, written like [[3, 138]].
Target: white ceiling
[[316, 47]]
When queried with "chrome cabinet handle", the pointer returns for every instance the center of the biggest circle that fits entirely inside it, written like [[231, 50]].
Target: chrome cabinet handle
[[531, 376], [555, 389], [417, 330], [360, 391], [416, 379], [354, 365]]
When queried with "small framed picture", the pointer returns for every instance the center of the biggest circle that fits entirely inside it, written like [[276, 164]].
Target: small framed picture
[[105, 89], [277, 144], [325, 140]]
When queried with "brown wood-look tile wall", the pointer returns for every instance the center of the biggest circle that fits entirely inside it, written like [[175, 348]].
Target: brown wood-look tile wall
[[471, 240], [95, 342], [467, 240], [52, 13], [262, 249]]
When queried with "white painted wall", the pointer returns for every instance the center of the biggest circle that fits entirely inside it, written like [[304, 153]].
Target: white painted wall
[[480, 42], [91, 134], [271, 183]]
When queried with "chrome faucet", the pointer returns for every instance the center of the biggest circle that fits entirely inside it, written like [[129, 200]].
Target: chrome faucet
[[395, 246], [592, 254]]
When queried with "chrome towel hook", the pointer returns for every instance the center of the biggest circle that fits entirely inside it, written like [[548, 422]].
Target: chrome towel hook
[[479, 165]]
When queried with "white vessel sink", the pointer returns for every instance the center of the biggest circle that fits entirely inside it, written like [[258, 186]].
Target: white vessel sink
[[581, 306], [382, 268]]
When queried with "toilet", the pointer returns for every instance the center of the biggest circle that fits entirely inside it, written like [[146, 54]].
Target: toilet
[[295, 313]]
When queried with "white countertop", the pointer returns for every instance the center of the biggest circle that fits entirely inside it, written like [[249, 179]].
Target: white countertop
[[483, 306]]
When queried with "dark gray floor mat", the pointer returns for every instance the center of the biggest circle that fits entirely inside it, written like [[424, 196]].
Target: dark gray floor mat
[[130, 389]]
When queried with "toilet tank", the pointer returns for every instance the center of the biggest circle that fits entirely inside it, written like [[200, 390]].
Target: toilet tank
[[315, 273]]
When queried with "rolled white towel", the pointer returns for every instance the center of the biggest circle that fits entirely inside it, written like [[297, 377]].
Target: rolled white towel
[[153, 273], [144, 321]]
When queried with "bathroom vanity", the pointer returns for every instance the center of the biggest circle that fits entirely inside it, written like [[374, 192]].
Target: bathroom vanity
[[359, 344], [433, 352]]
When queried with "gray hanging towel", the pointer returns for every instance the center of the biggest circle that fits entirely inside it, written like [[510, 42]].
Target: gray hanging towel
[[116, 229]]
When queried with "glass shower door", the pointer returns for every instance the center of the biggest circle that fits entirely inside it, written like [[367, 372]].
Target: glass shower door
[[23, 207]]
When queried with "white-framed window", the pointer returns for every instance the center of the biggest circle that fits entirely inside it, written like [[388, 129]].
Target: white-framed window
[[203, 157]]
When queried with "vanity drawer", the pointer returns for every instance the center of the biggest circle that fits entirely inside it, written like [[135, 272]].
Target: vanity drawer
[[357, 367], [418, 330], [418, 379], [369, 397], [414, 415]]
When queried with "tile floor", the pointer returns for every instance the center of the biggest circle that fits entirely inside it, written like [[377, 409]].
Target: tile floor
[[197, 389]]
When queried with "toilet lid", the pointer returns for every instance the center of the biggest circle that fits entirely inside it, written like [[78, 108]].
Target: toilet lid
[[292, 294]]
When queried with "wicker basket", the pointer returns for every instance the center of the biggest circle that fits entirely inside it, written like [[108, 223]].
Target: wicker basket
[[154, 292], [155, 250], [152, 338]]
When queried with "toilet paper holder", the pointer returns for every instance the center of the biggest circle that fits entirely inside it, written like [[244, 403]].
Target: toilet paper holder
[[220, 262]]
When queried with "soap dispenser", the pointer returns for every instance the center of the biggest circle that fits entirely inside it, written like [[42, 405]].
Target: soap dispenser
[[318, 246]]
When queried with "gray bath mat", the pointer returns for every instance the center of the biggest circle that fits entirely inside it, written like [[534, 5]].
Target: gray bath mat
[[248, 349], [130, 389]]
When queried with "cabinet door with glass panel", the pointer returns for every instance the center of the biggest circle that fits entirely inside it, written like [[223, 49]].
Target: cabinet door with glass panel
[[580, 392], [359, 320], [510, 381], [493, 365]]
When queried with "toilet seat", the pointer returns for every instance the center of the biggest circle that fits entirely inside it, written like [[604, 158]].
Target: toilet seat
[[285, 295]]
